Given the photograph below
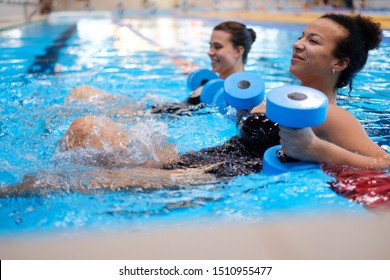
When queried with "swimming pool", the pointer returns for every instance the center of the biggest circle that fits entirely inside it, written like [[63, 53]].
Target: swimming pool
[[42, 63]]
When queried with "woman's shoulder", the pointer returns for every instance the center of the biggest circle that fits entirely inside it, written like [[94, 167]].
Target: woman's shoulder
[[342, 128], [338, 116], [338, 120]]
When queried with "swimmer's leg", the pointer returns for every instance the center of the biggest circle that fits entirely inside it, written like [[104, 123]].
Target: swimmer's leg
[[89, 181], [94, 132], [112, 139], [148, 178], [93, 96], [37, 185], [86, 94]]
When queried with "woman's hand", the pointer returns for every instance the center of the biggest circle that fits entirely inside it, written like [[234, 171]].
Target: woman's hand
[[300, 143]]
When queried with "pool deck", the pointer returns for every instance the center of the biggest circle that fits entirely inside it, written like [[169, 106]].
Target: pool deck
[[16, 21], [352, 237], [342, 237]]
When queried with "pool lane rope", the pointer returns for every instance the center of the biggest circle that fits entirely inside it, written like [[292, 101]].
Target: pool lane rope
[[45, 64], [185, 65]]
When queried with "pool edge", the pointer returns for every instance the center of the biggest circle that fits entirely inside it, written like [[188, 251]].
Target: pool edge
[[351, 237]]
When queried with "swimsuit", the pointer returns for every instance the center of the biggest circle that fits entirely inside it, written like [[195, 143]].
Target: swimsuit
[[193, 100], [185, 108], [240, 155]]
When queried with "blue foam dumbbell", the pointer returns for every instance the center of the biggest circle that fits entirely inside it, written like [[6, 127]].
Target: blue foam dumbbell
[[241, 90], [213, 93], [199, 78], [296, 107], [244, 90]]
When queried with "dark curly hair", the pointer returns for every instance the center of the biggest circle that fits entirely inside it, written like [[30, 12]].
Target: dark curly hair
[[363, 35], [240, 35]]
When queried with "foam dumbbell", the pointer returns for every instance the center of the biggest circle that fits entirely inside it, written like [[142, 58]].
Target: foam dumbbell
[[241, 90], [199, 78], [244, 90], [213, 93], [296, 107]]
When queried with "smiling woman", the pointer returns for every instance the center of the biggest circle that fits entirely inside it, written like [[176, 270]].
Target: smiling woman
[[230, 44], [326, 57]]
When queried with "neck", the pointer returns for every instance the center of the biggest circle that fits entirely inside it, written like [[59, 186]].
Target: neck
[[329, 91], [232, 70]]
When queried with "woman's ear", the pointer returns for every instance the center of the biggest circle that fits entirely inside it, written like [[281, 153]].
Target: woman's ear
[[240, 50], [341, 64]]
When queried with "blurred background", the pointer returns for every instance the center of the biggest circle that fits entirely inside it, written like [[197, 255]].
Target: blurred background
[[23, 10]]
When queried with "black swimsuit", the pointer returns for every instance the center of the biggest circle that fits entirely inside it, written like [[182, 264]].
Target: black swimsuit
[[240, 155], [185, 108]]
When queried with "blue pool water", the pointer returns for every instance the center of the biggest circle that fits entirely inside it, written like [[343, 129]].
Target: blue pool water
[[41, 63]]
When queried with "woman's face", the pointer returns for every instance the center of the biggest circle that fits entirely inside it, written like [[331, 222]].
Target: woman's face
[[224, 57], [313, 58]]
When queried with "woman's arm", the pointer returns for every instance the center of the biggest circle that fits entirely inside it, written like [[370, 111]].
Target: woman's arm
[[303, 144], [341, 139]]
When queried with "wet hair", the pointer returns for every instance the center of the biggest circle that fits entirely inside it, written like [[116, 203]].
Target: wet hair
[[363, 35], [240, 35]]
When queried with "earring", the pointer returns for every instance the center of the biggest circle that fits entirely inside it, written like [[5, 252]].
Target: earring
[[333, 71]]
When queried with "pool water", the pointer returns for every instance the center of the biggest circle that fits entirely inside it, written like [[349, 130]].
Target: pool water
[[41, 63]]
